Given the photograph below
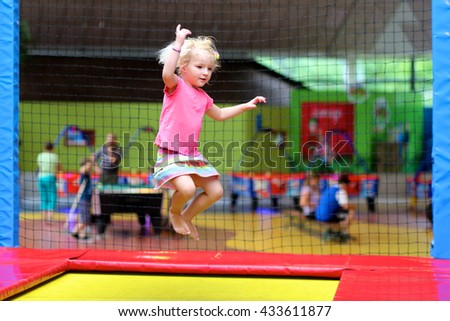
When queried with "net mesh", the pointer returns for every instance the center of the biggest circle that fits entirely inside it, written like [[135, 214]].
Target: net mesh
[[348, 88]]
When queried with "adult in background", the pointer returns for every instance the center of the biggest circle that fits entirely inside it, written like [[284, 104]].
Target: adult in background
[[48, 165], [108, 158]]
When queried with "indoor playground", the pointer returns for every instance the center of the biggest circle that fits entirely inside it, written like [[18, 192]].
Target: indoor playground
[[353, 88]]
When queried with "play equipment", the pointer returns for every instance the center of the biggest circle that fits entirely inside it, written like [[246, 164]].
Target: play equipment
[[74, 136], [418, 188], [275, 185], [68, 183]]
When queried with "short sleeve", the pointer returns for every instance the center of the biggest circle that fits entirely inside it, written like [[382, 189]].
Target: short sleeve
[[342, 197]]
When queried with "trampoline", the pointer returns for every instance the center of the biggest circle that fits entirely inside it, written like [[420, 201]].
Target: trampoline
[[94, 286], [32, 274], [333, 277]]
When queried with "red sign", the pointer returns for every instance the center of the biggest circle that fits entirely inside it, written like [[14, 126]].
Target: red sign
[[327, 129]]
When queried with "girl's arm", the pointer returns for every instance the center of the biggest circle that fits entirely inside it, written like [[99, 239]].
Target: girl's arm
[[170, 65], [221, 114]]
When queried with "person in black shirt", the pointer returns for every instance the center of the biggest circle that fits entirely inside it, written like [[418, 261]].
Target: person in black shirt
[[109, 158]]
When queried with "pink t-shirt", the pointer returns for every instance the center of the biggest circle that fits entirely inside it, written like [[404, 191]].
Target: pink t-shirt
[[181, 118]]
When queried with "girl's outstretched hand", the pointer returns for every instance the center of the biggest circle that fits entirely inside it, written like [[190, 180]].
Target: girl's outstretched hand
[[181, 34], [257, 100]]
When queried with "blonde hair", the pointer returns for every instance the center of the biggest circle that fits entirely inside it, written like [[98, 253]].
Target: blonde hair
[[201, 43]]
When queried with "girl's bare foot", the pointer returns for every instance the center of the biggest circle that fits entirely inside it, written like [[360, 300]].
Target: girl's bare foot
[[179, 224], [194, 233]]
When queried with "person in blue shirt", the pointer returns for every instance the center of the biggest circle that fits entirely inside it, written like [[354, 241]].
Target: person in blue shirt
[[334, 208]]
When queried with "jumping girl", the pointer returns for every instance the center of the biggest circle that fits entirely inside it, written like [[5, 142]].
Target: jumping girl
[[188, 66]]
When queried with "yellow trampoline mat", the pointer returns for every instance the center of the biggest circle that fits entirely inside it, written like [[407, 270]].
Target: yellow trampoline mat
[[169, 287]]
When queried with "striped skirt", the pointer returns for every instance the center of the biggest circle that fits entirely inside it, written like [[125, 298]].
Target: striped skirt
[[171, 164]]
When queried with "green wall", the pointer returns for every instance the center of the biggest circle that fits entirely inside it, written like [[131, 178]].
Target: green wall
[[42, 121], [403, 108], [264, 155], [222, 141], [299, 97]]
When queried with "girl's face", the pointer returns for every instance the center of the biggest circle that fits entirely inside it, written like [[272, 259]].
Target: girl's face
[[198, 71]]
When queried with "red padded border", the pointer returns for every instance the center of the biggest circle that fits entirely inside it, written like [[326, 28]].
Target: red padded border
[[368, 278]]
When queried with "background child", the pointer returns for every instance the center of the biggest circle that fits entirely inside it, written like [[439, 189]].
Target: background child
[[309, 195], [335, 209], [48, 166], [84, 201], [188, 65]]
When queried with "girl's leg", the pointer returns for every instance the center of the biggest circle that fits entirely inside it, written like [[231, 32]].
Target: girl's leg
[[184, 191], [212, 192]]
